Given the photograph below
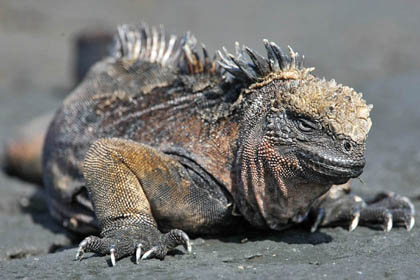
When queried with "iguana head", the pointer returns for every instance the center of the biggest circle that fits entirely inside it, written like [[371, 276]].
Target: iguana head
[[299, 135]]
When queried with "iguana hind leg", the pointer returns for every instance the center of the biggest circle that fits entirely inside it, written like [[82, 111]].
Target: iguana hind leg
[[340, 207], [137, 190]]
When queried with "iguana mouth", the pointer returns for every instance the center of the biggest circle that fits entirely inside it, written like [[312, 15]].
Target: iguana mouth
[[332, 167]]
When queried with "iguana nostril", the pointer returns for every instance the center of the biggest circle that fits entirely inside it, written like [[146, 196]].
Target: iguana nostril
[[347, 146]]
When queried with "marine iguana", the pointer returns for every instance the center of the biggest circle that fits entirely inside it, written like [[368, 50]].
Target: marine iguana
[[159, 142]]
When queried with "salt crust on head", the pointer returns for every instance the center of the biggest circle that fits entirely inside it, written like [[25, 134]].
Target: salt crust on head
[[339, 107]]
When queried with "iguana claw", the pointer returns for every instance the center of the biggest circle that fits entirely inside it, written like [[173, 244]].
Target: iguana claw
[[112, 253], [138, 252], [150, 253], [355, 222]]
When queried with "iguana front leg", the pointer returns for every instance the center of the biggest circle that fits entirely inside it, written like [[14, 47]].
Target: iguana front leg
[[340, 207], [121, 177]]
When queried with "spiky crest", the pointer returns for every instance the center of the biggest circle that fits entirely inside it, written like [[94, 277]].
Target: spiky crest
[[249, 67], [141, 43]]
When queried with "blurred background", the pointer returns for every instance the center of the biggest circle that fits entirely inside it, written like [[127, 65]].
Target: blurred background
[[373, 46]]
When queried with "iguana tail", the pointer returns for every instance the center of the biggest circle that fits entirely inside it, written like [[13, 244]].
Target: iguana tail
[[22, 154]]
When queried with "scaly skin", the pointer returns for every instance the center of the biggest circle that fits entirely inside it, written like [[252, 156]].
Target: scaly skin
[[168, 144]]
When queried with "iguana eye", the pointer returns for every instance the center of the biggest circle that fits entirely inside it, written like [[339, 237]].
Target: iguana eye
[[306, 125]]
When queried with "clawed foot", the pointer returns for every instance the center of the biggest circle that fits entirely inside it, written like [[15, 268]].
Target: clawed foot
[[386, 211], [389, 210], [122, 243]]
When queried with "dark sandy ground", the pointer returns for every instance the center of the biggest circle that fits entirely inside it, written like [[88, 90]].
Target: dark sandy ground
[[372, 46]]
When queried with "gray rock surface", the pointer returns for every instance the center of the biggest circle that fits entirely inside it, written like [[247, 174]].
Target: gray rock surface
[[371, 45], [329, 254]]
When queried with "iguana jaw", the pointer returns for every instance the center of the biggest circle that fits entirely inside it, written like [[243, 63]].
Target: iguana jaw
[[336, 170]]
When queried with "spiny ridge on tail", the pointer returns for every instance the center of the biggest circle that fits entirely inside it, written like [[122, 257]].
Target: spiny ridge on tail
[[142, 43]]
